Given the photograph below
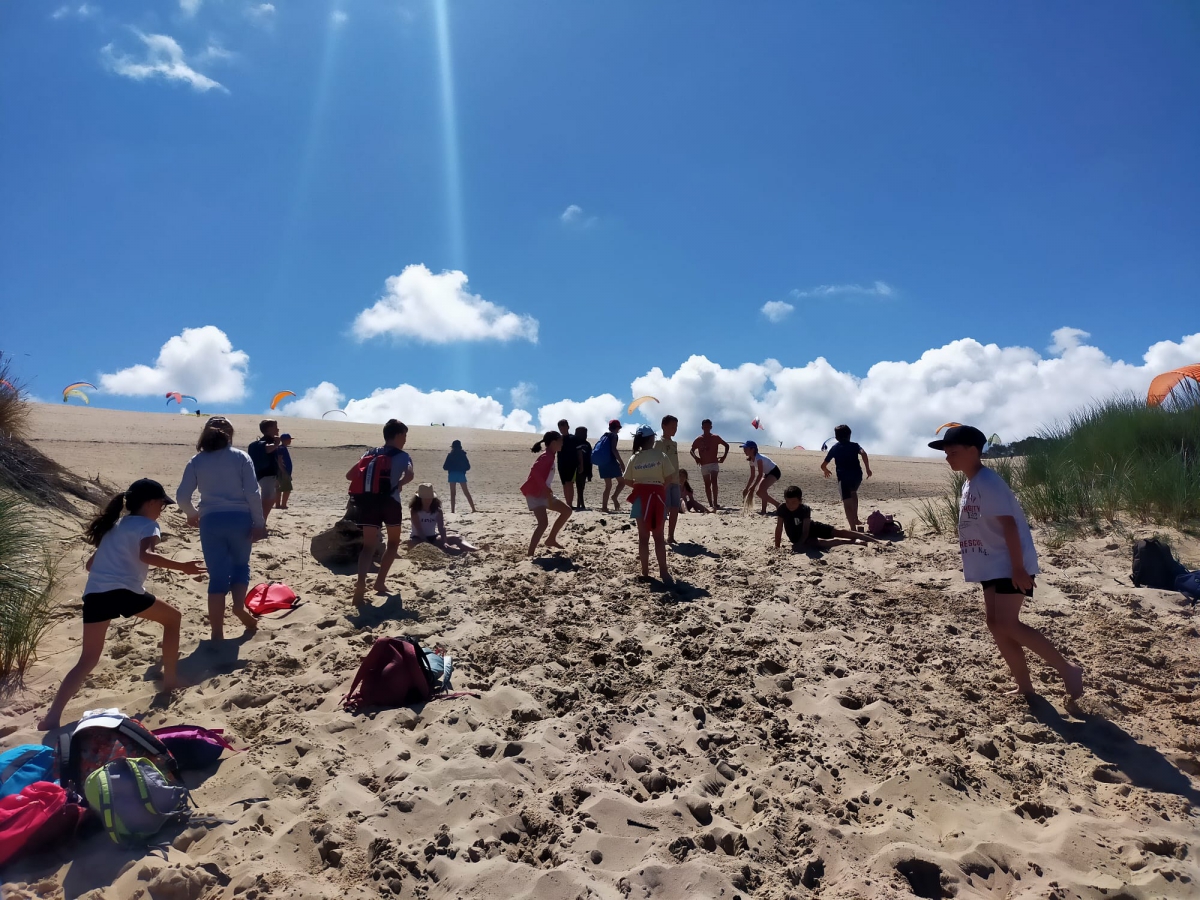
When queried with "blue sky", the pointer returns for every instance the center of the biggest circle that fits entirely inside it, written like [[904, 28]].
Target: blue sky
[[903, 175]]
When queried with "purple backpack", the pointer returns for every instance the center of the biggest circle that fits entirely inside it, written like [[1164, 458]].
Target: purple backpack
[[192, 746]]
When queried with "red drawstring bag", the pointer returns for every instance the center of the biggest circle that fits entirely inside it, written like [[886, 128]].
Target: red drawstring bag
[[271, 597]]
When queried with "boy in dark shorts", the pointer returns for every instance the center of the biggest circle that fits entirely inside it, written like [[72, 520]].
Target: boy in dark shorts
[[584, 473], [998, 554], [796, 518], [845, 454], [375, 511]]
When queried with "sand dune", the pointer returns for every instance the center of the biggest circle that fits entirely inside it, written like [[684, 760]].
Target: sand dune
[[783, 726]]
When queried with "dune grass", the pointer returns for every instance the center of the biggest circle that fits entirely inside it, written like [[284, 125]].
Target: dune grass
[[28, 587], [14, 412]]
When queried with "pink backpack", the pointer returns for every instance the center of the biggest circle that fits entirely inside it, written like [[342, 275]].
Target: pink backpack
[[882, 525], [271, 597], [41, 815], [192, 746]]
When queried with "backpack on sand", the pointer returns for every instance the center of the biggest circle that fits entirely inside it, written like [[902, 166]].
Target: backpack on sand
[[41, 815], [22, 766], [135, 799], [372, 474], [271, 597], [394, 672], [1154, 566], [881, 525], [104, 735], [602, 453], [194, 747]]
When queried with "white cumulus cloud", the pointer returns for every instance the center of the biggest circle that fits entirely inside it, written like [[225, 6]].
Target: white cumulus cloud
[[877, 289], [190, 7], [438, 309], [776, 310], [198, 361], [574, 217], [412, 406], [522, 395], [83, 11], [163, 59], [338, 18], [593, 413], [895, 407], [262, 13]]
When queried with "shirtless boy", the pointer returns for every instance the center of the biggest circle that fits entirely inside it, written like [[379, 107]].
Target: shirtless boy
[[704, 452]]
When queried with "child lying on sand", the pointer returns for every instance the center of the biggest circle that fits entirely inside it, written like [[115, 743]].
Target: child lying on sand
[[802, 531]]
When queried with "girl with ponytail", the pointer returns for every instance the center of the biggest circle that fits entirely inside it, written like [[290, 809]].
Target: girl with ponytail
[[116, 585], [539, 492]]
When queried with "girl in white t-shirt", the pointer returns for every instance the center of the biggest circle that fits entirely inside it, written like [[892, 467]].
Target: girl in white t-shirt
[[116, 585], [763, 474], [428, 525]]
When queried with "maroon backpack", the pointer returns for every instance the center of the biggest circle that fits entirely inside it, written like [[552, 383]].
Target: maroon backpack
[[394, 672], [882, 525]]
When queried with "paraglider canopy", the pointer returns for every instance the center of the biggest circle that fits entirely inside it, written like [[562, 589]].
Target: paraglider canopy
[[947, 425], [1162, 385], [75, 389], [995, 439], [275, 400], [179, 398], [639, 401], [825, 443], [328, 411], [8, 384], [797, 447]]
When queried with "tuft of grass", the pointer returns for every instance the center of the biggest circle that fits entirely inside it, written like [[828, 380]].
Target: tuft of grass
[[940, 515], [1118, 456], [29, 579], [14, 411]]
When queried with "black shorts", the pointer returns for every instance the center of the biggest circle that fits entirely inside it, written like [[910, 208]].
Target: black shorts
[[567, 476], [376, 510], [1004, 586], [108, 605], [774, 473], [820, 531], [849, 488]]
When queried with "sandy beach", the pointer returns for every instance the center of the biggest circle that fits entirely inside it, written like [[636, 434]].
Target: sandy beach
[[832, 724]]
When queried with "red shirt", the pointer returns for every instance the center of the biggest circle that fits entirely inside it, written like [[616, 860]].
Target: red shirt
[[537, 482]]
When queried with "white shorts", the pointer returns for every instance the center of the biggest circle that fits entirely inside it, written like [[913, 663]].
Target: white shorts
[[710, 469], [269, 487], [538, 502]]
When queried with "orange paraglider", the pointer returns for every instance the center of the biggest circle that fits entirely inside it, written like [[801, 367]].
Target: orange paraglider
[[75, 389], [947, 425], [639, 401], [1162, 385], [275, 400]]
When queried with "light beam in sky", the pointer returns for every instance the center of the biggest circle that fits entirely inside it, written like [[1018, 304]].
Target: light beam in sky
[[450, 136]]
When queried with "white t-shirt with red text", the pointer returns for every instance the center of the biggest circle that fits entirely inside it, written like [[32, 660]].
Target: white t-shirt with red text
[[984, 499]]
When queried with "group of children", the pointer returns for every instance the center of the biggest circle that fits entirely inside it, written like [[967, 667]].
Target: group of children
[[994, 537]]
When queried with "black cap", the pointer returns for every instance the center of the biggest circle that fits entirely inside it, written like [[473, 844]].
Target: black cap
[[960, 436], [145, 489]]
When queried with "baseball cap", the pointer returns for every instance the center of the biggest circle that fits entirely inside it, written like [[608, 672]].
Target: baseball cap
[[960, 436], [145, 489], [614, 424], [285, 437], [644, 431], [753, 445]]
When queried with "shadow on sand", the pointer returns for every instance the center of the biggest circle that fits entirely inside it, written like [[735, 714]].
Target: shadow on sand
[[691, 550], [209, 659], [1144, 766], [554, 563], [391, 610]]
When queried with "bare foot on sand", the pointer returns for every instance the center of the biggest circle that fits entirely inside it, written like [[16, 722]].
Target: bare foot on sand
[[555, 544], [1073, 678]]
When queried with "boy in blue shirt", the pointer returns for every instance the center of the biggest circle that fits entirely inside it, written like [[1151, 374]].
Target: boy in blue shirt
[[284, 478], [845, 454]]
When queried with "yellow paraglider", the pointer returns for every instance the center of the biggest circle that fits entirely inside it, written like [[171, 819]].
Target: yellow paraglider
[[1162, 385], [947, 425], [275, 400], [639, 401], [76, 392]]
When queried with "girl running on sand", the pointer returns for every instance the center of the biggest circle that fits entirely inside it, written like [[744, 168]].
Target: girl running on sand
[[763, 474], [539, 493], [456, 466], [428, 525], [647, 473], [116, 585]]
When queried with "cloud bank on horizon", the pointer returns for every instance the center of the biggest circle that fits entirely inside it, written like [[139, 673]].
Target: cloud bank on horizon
[[893, 409]]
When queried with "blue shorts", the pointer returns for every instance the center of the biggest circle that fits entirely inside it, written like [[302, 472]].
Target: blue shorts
[[609, 470], [456, 477], [225, 540]]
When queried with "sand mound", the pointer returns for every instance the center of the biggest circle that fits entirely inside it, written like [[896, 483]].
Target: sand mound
[[781, 726]]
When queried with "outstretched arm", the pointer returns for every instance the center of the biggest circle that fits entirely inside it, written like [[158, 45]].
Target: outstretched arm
[[778, 532], [147, 555], [866, 461]]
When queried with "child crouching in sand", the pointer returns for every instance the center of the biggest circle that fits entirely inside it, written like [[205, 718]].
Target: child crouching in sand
[[689, 497], [802, 531], [998, 553], [539, 495], [429, 526], [116, 585]]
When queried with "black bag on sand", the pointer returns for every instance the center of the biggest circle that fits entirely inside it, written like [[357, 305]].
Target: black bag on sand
[[1154, 566]]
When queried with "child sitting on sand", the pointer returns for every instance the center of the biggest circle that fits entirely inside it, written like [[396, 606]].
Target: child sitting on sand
[[845, 454], [998, 553], [689, 498], [802, 531], [429, 526], [539, 494], [456, 466], [116, 585]]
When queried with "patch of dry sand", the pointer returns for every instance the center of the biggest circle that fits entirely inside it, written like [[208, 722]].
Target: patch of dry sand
[[786, 726]]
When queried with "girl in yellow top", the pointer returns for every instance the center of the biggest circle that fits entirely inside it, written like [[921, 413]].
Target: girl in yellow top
[[647, 473]]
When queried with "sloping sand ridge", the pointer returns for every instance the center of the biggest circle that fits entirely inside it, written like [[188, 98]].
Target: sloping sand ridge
[[831, 726]]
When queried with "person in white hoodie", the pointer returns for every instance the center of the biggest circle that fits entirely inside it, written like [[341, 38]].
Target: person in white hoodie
[[230, 517]]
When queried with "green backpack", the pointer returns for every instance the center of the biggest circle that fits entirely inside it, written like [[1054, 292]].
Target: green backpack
[[135, 799]]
